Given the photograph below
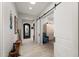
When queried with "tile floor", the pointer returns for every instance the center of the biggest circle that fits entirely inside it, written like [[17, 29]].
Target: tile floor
[[32, 49]]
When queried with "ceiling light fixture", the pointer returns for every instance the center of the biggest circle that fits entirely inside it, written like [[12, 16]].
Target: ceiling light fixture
[[32, 2]]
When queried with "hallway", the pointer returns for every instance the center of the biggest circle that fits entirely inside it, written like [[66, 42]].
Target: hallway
[[37, 25], [32, 49]]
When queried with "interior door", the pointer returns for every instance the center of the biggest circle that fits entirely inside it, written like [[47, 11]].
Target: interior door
[[66, 30]]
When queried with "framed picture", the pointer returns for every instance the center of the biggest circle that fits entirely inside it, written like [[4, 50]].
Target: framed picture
[[26, 30], [10, 20], [15, 24]]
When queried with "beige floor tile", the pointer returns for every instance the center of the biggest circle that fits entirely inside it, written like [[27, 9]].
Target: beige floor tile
[[32, 49]]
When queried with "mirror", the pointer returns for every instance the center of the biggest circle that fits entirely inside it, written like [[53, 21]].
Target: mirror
[[26, 32]]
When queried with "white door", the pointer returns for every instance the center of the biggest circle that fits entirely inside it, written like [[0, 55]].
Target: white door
[[66, 30]]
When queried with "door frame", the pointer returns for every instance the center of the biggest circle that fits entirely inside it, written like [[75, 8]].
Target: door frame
[[25, 37]]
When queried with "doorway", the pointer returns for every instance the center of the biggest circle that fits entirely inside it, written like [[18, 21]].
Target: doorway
[[26, 30], [48, 33]]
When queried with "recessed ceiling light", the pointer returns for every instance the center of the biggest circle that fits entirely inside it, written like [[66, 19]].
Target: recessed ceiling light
[[30, 8], [32, 2]]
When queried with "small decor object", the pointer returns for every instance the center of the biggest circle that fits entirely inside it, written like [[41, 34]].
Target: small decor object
[[10, 20], [31, 27]]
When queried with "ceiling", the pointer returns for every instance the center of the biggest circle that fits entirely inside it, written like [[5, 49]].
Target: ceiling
[[30, 14]]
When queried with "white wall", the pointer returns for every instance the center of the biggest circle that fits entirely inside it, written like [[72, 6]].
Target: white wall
[[50, 31], [20, 27], [38, 31], [27, 21], [35, 30], [8, 34], [1, 49], [66, 30]]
